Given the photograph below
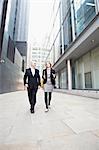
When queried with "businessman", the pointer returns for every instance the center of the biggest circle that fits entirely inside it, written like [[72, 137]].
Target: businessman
[[32, 82]]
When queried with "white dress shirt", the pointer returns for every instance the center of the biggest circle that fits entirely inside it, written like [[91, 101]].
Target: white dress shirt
[[33, 71]]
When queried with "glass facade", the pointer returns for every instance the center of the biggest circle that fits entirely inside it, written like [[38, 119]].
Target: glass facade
[[88, 80], [3, 10], [8, 17], [65, 7], [74, 17], [57, 47], [11, 71], [1, 7], [67, 31], [63, 79], [67, 26], [84, 12]]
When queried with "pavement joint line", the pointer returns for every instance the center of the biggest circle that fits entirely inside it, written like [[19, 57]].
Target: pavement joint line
[[95, 134], [60, 135], [69, 127]]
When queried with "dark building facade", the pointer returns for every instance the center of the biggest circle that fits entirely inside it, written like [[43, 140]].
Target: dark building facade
[[13, 48]]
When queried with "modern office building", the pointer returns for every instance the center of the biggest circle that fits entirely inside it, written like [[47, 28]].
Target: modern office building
[[75, 47], [39, 56], [13, 43]]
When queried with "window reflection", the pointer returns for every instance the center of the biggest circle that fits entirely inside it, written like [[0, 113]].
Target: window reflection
[[67, 26], [8, 15], [84, 13], [1, 7], [67, 31]]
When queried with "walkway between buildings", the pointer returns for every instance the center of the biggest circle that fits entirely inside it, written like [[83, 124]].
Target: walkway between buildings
[[71, 124]]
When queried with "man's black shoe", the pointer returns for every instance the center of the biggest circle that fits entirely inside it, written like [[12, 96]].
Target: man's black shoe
[[32, 111]]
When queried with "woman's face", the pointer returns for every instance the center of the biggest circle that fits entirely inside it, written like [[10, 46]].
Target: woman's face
[[48, 65]]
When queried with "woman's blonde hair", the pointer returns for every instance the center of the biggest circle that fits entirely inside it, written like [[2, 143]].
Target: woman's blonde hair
[[49, 63]]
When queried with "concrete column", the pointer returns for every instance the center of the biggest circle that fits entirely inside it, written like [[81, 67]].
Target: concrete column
[[97, 6], [69, 75], [83, 76]]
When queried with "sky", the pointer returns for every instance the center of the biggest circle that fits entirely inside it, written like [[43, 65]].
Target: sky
[[39, 24]]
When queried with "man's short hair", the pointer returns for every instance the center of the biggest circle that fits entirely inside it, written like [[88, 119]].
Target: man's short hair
[[33, 62]]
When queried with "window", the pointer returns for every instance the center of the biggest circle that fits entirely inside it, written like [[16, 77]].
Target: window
[[84, 13], [63, 79], [3, 11], [1, 8], [80, 86], [67, 27], [88, 80]]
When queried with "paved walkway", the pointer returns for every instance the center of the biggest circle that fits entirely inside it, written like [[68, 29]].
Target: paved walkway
[[71, 124]]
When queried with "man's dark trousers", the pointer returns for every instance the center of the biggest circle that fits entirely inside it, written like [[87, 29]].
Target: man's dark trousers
[[32, 97]]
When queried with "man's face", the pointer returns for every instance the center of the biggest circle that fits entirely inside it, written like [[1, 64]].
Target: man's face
[[33, 65]]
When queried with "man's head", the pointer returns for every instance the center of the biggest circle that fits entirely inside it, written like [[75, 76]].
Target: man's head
[[33, 64]]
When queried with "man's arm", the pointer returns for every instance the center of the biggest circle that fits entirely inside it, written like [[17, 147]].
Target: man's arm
[[25, 77], [39, 80]]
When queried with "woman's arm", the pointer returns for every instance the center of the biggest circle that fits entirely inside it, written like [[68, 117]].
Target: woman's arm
[[53, 74]]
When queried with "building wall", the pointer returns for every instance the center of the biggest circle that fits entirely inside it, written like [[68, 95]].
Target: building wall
[[18, 59], [1, 7], [11, 77], [39, 55], [88, 64], [73, 18], [63, 79], [11, 71], [23, 19]]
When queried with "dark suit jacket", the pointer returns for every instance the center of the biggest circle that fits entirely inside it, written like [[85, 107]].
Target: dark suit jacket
[[33, 81], [52, 75]]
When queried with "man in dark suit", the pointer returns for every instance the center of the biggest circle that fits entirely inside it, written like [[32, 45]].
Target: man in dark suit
[[33, 77]]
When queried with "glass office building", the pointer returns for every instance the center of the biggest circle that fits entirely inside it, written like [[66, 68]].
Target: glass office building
[[75, 45], [13, 43], [1, 8], [84, 11]]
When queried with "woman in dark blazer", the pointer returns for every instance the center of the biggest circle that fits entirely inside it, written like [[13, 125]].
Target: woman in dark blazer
[[49, 83]]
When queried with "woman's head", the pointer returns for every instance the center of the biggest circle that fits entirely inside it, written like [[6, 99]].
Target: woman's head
[[48, 65]]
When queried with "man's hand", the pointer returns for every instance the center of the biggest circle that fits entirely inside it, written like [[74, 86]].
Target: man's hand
[[25, 86], [39, 87]]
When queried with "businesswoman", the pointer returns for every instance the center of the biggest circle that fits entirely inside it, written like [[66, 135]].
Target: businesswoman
[[48, 76]]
